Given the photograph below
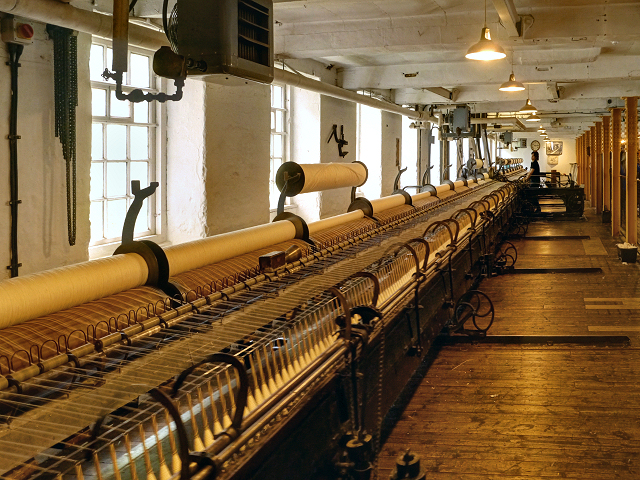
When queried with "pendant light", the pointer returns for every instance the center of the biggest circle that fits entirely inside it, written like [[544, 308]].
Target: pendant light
[[485, 49], [528, 107], [511, 85], [533, 118]]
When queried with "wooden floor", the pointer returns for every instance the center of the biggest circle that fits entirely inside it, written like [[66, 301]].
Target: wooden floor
[[516, 412]]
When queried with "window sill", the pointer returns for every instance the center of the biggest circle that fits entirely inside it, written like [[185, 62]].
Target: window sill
[[107, 249]]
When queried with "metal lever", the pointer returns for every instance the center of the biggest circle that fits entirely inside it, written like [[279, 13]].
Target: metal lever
[[134, 209]]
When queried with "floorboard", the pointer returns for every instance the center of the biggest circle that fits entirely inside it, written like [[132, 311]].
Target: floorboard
[[525, 411]]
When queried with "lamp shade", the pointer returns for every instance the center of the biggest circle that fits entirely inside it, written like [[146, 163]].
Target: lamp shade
[[511, 85], [485, 49], [533, 118], [528, 108]]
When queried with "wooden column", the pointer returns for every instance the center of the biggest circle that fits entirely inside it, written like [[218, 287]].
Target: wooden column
[[631, 123], [616, 122], [606, 148], [579, 161], [597, 158], [587, 149]]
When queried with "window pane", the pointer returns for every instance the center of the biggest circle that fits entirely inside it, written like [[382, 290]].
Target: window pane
[[95, 217], [139, 171], [97, 150], [116, 211], [98, 102], [142, 222], [139, 70], [116, 142], [119, 108], [116, 179], [273, 119], [276, 96], [141, 112], [96, 63], [97, 180], [279, 121], [277, 145], [139, 148]]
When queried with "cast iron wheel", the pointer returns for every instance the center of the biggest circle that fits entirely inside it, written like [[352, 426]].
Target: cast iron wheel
[[506, 255], [475, 306]]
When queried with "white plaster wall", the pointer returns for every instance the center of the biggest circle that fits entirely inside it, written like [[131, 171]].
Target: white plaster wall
[[568, 152], [305, 145], [391, 132], [369, 151], [186, 168], [237, 139], [42, 224], [338, 112]]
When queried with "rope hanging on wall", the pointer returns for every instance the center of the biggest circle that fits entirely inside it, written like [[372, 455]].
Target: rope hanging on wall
[[65, 61]]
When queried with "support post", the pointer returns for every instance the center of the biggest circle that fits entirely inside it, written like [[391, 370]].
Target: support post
[[631, 123], [606, 147], [577, 179], [616, 121], [594, 167], [597, 156], [587, 152]]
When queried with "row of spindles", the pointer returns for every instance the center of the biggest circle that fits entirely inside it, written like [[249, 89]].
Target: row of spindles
[[213, 404]]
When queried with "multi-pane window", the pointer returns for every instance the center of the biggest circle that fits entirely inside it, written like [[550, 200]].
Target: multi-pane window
[[279, 137], [123, 146]]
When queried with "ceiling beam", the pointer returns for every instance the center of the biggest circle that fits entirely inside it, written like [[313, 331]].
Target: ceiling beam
[[508, 16], [605, 67], [451, 95]]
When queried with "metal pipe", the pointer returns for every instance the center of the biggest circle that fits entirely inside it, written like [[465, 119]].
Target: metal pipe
[[64, 15], [15, 51], [306, 83], [120, 36]]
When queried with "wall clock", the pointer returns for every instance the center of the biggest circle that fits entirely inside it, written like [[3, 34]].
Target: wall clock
[[535, 145]]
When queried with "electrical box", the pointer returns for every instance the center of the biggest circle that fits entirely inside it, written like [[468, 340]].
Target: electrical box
[[461, 119], [507, 137], [16, 31], [224, 37]]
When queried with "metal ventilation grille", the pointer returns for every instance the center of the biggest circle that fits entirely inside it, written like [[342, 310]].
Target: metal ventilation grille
[[253, 32]]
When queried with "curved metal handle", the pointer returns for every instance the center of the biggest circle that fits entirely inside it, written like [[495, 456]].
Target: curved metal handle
[[134, 209], [241, 394]]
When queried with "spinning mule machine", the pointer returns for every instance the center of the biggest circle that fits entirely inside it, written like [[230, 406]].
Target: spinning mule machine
[[270, 352]]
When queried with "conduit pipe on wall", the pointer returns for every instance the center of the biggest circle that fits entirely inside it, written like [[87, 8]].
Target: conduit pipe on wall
[[64, 15]]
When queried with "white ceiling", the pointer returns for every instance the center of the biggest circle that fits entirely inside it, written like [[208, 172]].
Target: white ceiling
[[587, 52]]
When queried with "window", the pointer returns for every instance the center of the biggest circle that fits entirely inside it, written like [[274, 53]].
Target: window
[[409, 153], [123, 147], [279, 137], [369, 149]]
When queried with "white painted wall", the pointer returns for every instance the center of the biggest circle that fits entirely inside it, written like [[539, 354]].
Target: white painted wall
[[42, 224], [568, 153], [391, 132], [339, 112], [237, 139], [186, 165]]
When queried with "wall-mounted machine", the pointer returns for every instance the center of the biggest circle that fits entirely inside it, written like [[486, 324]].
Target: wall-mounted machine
[[213, 40]]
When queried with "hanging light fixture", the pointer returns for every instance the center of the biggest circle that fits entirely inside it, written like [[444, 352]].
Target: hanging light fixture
[[533, 118], [485, 49], [528, 106], [511, 85], [541, 129]]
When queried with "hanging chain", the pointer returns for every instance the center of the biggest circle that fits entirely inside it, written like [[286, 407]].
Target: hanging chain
[[65, 61]]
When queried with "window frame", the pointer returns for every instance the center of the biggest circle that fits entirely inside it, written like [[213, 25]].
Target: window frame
[[156, 123], [286, 140]]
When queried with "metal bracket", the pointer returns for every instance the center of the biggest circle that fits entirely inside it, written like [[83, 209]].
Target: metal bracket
[[340, 141], [134, 209]]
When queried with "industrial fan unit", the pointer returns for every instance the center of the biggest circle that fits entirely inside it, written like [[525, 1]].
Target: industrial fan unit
[[223, 38]]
